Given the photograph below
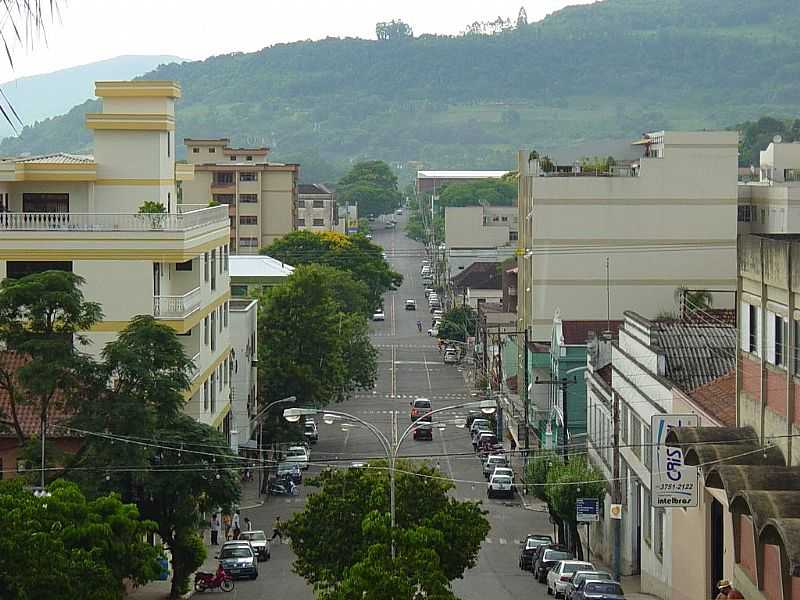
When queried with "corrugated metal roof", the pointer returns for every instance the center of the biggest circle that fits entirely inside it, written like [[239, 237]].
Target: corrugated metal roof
[[62, 158]]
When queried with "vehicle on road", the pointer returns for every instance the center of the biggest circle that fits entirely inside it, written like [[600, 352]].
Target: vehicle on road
[[507, 470], [562, 573], [368, 236], [476, 433], [529, 546], [311, 433], [492, 461], [425, 270], [221, 580], [435, 306], [298, 455], [390, 225], [428, 292], [419, 407], [280, 487], [379, 315], [258, 540], [238, 559], [450, 357], [478, 422], [599, 590], [433, 331], [411, 304], [292, 471], [500, 485], [546, 559], [484, 439], [399, 211], [581, 576], [423, 429], [371, 218]]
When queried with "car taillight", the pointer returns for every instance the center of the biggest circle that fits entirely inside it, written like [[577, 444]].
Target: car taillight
[[565, 578]]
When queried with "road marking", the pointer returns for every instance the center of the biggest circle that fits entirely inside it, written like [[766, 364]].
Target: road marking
[[394, 372], [502, 541], [488, 540], [394, 319]]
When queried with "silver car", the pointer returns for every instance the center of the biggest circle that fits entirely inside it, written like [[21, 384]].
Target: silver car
[[259, 541], [238, 559]]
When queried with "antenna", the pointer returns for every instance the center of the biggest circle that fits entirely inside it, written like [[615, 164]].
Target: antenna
[[777, 139]]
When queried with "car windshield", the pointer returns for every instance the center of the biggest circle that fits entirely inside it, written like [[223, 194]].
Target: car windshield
[[235, 552], [583, 575], [532, 544], [296, 452], [422, 404], [556, 555], [256, 536], [573, 567], [603, 587]]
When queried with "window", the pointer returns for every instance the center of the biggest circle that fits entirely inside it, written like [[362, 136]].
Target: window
[[504, 219], [227, 257], [227, 312], [248, 157], [301, 222], [45, 203], [239, 291], [752, 320], [319, 222], [247, 176], [636, 436], [319, 204], [301, 204], [212, 150], [647, 515], [169, 143], [223, 178], [213, 270], [213, 393], [248, 220], [233, 157], [205, 331], [647, 454], [205, 395], [623, 422], [221, 310], [248, 198], [248, 242], [224, 198], [213, 330], [779, 340], [658, 533], [745, 215], [184, 266], [513, 236], [219, 377], [195, 150], [495, 219]]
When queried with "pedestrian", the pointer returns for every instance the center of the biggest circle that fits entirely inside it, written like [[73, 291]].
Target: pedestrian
[[215, 529], [276, 529], [226, 522], [726, 591], [248, 525], [237, 527]]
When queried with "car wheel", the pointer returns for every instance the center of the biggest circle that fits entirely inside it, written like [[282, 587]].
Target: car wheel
[[255, 576], [549, 593]]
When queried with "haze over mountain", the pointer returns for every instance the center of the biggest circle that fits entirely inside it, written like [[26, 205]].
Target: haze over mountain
[[40, 96], [608, 70]]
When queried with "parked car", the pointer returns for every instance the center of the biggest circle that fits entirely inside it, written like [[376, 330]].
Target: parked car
[[390, 225], [438, 314], [450, 357], [238, 558], [399, 211], [580, 576], [487, 438], [478, 422], [562, 573], [258, 540], [425, 270], [289, 469], [492, 461], [435, 306], [546, 559], [504, 470], [368, 236], [298, 455], [529, 546], [476, 433], [423, 430], [411, 304], [419, 407], [379, 315], [433, 331], [500, 485], [311, 433], [428, 291], [599, 590]]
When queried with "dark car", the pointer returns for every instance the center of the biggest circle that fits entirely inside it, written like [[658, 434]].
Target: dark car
[[290, 470], [599, 590], [423, 429], [529, 549], [545, 561], [580, 576]]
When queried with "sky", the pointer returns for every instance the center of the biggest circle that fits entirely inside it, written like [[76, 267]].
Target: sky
[[85, 31]]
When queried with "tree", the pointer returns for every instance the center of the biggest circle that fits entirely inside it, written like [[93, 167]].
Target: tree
[[458, 323], [41, 319], [497, 192], [393, 30], [310, 347], [64, 546], [171, 466], [342, 537], [372, 185], [376, 172], [522, 17]]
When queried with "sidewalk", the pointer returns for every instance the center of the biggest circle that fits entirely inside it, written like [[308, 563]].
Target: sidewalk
[[158, 590]]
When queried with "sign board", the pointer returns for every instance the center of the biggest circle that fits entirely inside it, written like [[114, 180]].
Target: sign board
[[587, 510], [672, 483], [616, 511]]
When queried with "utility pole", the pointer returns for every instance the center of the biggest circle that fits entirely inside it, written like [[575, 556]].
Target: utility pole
[[526, 401], [562, 384], [616, 495]]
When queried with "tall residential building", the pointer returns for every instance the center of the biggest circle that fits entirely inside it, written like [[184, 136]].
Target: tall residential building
[[768, 201], [316, 208], [664, 221], [80, 214], [261, 196]]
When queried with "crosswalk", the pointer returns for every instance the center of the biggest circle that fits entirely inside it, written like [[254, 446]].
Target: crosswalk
[[375, 394]]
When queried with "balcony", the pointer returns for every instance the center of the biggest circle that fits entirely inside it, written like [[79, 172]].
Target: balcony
[[195, 366], [122, 222], [176, 307]]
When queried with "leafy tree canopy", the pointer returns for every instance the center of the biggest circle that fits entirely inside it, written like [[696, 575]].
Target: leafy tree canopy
[[372, 185], [393, 30], [755, 136], [458, 323], [496, 192], [342, 537], [64, 546]]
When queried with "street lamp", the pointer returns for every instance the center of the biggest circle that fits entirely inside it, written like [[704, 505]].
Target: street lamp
[[260, 419], [292, 415]]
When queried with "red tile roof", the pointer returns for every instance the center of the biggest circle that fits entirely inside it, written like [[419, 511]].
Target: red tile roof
[[577, 332], [718, 398], [26, 413]]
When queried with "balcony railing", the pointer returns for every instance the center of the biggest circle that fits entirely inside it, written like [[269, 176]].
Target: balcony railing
[[82, 222], [176, 307], [195, 366]]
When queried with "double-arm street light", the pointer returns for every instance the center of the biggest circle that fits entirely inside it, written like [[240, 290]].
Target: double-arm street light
[[259, 418], [293, 415]]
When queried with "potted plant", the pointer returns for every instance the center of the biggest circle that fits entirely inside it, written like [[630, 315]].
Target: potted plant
[[155, 213]]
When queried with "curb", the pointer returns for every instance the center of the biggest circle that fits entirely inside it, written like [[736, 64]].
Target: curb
[[251, 506]]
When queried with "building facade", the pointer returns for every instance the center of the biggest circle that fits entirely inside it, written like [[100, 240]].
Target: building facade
[[479, 234], [261, 197], [81, 214], [316, 208], [244, 374], [768, 200], [432, 182]]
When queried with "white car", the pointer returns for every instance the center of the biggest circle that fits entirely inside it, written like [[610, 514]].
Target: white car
[[500, 485], [433, 331], [477, 423], [493, 461], [297, 455], [561, 574], [450, 357], [504, 471], [379, 315], [438, 313]]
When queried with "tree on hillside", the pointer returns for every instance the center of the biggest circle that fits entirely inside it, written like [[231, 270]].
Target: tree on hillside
[[342, 538], [458, 323], [41, 319], [393, 30], [755, 136], [353, 254], [63, 546], [310, 347]]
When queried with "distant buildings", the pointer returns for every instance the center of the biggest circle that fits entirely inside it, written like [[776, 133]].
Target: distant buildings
[[479, 234], [261, 196], [431, 182], [767, 202], [316, 208]]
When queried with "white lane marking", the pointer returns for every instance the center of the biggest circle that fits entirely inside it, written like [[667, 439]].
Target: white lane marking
[[488, 540], [502, 541]]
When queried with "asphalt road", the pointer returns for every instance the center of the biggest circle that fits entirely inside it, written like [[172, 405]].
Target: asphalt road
[[410, 366]]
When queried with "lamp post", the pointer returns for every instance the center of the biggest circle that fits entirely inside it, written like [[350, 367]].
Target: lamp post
[[260, 419], [293, 415]]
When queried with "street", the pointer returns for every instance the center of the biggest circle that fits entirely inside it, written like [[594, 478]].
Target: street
[[409, 366]]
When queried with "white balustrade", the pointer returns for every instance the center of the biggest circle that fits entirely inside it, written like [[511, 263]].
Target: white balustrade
[[176, 307]]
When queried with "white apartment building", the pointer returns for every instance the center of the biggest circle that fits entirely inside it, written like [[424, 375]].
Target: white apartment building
[[244, 373], [767, 203], [479, 234], [664, 221], [80, 214], [316, 208]]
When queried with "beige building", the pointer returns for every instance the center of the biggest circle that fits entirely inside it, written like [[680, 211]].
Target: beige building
[[347, 219], [479, 234], [768, 202], [261, 196], [316, 208], [664, 221], [80, 214]]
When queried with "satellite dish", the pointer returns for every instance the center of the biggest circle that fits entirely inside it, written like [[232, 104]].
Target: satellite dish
[[777, 139]]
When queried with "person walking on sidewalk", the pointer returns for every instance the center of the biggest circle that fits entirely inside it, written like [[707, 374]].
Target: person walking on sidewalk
[[226, 523], [248, 525], [237, 526], [276, 529], [215, 525]]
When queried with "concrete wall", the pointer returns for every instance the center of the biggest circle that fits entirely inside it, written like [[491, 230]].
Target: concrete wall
[[244, 316], [278, 196], [464, 227]]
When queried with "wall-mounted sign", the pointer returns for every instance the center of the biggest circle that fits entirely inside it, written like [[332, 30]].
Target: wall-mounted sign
[[672, 483]]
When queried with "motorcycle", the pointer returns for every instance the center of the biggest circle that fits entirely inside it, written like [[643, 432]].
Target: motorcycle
[[281, 487], [212, 581]]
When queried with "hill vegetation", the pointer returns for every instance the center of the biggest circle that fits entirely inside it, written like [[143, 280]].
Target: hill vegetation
[[608, 70]]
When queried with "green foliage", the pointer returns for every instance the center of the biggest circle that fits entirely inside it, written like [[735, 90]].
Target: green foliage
[[354, 254], [342, 537], [64, 546], [597, 163], [41, 315], [415, 229], [496, 192], [212, 203], [755, 136], [310, 346], [536, 475], [149, 208], [458, 323], [393, 30], [372, 185]]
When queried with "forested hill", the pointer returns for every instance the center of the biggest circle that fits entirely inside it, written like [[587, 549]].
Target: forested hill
[[603, 71]]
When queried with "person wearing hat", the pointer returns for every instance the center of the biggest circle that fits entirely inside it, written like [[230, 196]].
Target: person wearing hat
[[726, 591]]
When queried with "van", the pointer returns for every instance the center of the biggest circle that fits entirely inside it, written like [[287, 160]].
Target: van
[[419, 407]]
